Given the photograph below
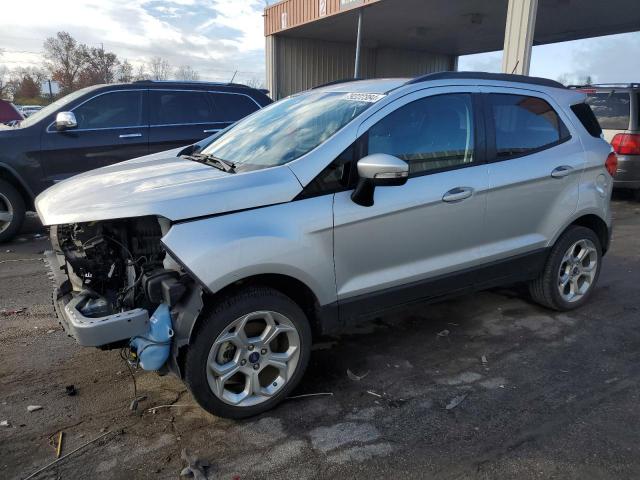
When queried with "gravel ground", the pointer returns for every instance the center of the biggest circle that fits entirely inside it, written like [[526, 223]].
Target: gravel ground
[[539, 394]]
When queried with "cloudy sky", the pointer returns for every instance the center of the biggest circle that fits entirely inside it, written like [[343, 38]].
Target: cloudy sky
[[217, 37]]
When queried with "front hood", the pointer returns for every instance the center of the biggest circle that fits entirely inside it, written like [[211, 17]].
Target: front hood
[[162, 184]]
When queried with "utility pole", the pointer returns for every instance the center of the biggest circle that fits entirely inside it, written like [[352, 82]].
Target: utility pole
[[356, 70]]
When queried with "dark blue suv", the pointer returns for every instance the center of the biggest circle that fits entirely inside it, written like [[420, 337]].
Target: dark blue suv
[[106, 124]]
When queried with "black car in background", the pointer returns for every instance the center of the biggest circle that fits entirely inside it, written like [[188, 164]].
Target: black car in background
[[106, 124]]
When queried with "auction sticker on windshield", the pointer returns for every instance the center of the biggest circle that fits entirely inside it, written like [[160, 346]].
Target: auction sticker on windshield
[[364, 97]]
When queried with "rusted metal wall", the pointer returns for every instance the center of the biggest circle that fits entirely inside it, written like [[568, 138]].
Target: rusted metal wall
[[292, 13], [296, 64]]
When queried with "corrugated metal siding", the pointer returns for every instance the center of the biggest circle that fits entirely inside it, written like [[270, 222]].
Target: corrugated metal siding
[[296, 64], [299, 12]]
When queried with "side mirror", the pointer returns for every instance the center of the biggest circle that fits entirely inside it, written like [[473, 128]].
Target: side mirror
[[66, 121], [378, 169]]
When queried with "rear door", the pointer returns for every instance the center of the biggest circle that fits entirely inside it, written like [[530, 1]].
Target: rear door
[[179, 118], [535, 166], [112, 127]]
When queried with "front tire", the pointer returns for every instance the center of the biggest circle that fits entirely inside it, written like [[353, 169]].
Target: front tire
[[12, 211], [248, 353], [571, 271]]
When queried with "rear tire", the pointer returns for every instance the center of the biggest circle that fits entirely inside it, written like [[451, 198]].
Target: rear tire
[[566, 282], [220, 364], [12, 211]]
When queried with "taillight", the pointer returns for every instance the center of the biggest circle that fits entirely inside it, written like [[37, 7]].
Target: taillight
[[611, 164], [626, 143]]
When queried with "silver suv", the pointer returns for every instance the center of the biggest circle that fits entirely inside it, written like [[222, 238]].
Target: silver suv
[[221, 261]]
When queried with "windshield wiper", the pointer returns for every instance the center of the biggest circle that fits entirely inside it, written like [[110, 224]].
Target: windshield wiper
[[223, 165]]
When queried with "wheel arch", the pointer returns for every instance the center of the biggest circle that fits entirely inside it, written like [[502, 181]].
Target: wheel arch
[[290, 286], [10, 175], [598, 225]]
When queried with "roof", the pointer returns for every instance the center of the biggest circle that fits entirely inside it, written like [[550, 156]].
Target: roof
[[443, 26]]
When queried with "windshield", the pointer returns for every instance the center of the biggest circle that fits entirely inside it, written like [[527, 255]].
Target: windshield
[[52, 107], [288, 129]]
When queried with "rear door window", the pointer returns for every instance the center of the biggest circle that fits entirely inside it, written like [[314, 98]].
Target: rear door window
[[523, 125], [612, 109], [231, 107], [173, 107]]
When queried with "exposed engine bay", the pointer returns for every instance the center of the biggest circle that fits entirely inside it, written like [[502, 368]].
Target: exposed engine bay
[[121, 288], [120, 264]]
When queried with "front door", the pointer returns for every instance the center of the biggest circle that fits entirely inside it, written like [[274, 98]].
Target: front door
[[112, 127], [417, 236]]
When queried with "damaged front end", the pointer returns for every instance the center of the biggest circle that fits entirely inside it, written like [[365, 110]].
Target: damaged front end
[[116, 286]]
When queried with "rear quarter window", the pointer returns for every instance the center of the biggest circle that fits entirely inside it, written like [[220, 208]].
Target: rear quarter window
[[612, 109]]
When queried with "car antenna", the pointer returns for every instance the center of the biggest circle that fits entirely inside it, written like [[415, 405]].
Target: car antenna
[[234, 76]]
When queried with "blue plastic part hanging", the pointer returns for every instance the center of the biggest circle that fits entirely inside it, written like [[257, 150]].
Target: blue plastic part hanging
[[152, 349]]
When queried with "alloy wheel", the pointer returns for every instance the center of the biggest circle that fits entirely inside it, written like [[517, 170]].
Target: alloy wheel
[[6, 213], [577, 271], [253, 358]]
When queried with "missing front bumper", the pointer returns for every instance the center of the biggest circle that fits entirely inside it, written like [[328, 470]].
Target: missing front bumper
[[91, 331]]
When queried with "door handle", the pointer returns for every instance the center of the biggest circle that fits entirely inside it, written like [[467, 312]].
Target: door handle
[[457, 194], [561, 171], [211, 130], [130, 135]]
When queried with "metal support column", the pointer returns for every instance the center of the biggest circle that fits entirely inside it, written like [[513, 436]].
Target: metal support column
[[356, 70], [518, 36]]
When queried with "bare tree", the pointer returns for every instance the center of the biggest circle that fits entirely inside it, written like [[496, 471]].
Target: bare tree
[[66, 59], [255, 83], [141, 73], [186, 73], [100, 67], [159, 68], [125, 72]]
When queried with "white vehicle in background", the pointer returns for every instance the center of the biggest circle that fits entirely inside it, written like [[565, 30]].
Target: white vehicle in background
[[28, 110], [617, 108]]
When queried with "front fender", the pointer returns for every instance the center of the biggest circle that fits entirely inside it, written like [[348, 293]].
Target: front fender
[[293, 239]]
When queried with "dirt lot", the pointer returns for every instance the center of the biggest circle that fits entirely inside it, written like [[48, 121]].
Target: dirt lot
[[556, 397]]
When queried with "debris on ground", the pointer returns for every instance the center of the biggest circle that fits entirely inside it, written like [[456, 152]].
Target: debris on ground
[[354, 377], [5, 423], [67, 455], [374, 394], [455, 401], [34, 408], [195, 466], [305, 395], [11, 311], [443, 333], [154, 409], [50, 331], [133, 406], [483, 359], [71, 390]]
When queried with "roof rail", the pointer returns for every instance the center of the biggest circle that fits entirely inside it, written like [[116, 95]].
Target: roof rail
[[607, 85], [337, 82], [193, 82], [502, 77]]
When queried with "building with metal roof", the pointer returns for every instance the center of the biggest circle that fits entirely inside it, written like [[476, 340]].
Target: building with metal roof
[[311, 42]]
